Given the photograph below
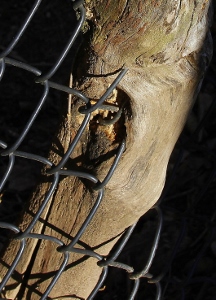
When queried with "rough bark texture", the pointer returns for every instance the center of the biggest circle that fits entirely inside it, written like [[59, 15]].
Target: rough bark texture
[[166, 47]]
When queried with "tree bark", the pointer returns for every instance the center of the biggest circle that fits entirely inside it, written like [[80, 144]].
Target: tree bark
[[166, 47]]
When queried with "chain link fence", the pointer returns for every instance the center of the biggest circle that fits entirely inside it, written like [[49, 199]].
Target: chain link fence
[[174, 256]]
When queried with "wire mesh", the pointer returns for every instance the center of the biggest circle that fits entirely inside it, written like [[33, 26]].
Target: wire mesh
[[164, 275]]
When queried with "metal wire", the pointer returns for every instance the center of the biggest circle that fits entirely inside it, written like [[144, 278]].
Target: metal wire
[[106, 263]]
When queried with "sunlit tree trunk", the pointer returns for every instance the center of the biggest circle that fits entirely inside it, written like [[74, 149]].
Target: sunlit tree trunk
[[165, 46]]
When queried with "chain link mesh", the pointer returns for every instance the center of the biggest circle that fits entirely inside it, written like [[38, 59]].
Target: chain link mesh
[[176, 282]]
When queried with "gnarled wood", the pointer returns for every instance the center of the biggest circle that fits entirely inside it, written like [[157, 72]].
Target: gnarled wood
[[165, 46]]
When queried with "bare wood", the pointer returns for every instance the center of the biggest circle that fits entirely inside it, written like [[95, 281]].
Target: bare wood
[[165, 46]]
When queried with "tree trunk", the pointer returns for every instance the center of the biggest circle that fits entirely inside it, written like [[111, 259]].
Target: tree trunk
[[166, 47]]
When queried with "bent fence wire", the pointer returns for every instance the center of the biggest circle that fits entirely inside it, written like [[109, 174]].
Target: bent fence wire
[[176, 283]]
